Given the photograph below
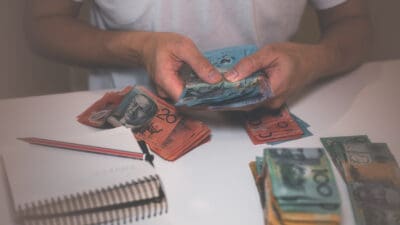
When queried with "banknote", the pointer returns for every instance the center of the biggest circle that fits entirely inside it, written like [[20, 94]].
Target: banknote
[[297, 199], [371, 162], [296, 181], [256, 172], [265, 126], [375, 202], [188, 134], [335, 148], [150, 118], [224, 95], [372, 176], [358, 159], [301, 175], [272, 214], [257, 168], [387, 195], [97, 114], [303, 126]]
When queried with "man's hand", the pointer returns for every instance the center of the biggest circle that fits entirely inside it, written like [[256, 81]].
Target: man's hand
[[163, 56], [344, 44], [285, 64]]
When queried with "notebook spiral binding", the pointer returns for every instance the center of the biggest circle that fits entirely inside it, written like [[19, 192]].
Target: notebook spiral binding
[[120, 204]]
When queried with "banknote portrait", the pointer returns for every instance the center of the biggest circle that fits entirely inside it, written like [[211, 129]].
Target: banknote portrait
[[139, 112]]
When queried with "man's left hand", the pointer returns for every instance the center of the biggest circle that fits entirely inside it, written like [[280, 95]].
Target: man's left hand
[[286, 65]]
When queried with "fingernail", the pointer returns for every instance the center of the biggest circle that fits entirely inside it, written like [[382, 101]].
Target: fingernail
[[231, 75], [214, 76]]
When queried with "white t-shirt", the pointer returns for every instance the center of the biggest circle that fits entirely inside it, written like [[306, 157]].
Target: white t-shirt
[[211, 24]]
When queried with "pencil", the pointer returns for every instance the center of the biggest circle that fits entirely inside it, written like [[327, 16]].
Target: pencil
[[83, 148]]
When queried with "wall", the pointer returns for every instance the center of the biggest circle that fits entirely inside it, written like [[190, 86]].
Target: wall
[[23, 73], [385, 17]]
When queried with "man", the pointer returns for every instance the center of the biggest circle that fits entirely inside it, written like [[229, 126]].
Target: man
[[160, 36]]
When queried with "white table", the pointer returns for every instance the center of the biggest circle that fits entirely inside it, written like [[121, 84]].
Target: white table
[[213, 184]]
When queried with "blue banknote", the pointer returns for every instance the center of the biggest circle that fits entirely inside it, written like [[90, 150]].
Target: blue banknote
[[224, 95]]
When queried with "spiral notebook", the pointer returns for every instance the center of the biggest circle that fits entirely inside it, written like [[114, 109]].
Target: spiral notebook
[[56, 186]]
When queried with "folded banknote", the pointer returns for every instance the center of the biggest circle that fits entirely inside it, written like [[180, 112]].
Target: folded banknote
[[372, 176], [297, 186], [151, 119], [224, 95]]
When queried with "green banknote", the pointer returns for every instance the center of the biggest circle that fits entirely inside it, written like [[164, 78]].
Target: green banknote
[[259, 164], [298, 187], [301, 176]]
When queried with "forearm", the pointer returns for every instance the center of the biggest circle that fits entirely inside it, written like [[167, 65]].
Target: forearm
[[72, 41], [344, 45]]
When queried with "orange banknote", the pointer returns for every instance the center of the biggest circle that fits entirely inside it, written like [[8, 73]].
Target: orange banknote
[[264, 126], [151, 120]]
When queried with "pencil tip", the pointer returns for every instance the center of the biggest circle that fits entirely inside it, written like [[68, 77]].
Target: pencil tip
[[22, 139]]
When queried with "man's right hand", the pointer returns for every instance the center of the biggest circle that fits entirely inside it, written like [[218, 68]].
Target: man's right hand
[[163, 55]]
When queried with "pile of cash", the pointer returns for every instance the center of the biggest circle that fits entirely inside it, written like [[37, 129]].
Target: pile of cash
[[297, 186], [372, 176], [224, 95], [151, 119], [274, 127], [262, 126]]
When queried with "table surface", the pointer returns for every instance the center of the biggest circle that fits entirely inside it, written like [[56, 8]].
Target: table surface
[[212, 184]]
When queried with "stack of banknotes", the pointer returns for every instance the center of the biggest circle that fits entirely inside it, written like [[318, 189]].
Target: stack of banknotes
[[224, 95], [274, 127], [296, 186], [372, 176], [151, 119], [262, 126]]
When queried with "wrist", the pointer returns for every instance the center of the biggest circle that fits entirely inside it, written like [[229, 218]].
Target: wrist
[[127, 48], [321, 62], [147, 46]]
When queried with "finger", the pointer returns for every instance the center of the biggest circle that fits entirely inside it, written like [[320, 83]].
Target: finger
[[246, 108], [275, 103], [201, 66], [170, 83], [161, 92], [173, 86], [250, 64]]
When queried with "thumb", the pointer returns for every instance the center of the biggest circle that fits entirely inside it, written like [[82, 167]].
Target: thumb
[[201, 66], [248, 65], [172, 86]]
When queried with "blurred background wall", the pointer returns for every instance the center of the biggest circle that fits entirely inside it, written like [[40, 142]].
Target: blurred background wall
[[385, 18], [22, 73]]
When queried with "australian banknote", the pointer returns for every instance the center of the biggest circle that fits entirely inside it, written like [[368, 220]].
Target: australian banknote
[[372, 176], [297, 186], [151, 119], [224, 95], [274, 127]]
